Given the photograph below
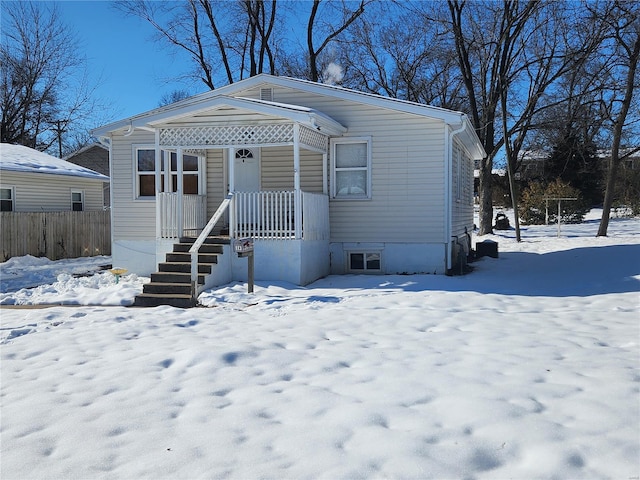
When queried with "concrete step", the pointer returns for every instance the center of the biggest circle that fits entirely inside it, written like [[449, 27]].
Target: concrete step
[[183, 267], [181, 257], [174, 277], [155, 300], [212, 239], [167, 288], [205, 248]]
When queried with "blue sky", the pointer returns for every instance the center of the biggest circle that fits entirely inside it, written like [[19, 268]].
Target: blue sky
[[133, 68]]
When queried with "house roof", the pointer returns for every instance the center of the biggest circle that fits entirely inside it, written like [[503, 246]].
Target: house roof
[[18, 158], [297, 113], [207, 100], [86, 148]]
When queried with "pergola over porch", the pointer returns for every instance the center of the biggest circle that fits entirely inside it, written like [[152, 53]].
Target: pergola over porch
[[232, 123]]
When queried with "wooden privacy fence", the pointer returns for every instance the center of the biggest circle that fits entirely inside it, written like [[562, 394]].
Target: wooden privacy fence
[[55, 235]]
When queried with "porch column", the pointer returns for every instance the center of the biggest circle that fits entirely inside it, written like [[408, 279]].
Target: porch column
[[158, 182], [231, 156], [179, 190], [296, 182], [325, 179]]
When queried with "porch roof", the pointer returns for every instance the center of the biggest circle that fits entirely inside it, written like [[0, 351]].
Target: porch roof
[[182, 112]]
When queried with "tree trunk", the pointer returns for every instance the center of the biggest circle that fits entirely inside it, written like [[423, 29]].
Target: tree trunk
[[634, 54], [486, 201]]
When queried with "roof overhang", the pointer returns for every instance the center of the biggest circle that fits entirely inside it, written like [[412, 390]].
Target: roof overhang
[[184, 110]]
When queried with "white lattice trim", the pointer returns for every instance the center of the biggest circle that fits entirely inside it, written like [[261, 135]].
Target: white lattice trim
[[313, 139], [227, 135]]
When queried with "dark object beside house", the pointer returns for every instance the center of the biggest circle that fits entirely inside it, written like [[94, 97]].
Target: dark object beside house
[[488, 248], [502, 222]]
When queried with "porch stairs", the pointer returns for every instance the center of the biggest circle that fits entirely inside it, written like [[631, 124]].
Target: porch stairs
[[171, 284]]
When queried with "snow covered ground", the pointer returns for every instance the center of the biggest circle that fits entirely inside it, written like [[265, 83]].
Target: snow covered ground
[[529, 367]]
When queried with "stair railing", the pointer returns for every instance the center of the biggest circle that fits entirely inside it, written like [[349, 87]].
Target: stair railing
[[195, 248]]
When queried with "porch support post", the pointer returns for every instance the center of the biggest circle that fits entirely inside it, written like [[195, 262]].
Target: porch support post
[[325, 180], [296, 182], [158, 183], [231, 156], [180, 206]]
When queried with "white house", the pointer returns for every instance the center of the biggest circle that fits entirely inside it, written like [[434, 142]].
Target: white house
[[33, 181], [324, 179]]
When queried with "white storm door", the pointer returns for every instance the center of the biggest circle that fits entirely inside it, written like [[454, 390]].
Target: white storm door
[[246, 174], [246, 170]]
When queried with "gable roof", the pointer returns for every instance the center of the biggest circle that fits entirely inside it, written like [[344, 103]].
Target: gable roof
[[18, 158], [85, 149], [203, 101]]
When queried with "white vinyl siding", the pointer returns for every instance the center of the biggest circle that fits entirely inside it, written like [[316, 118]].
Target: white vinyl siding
[[216, 183], [407, 171], [462, 205], [131, 219], [41, 192], [277, 169]]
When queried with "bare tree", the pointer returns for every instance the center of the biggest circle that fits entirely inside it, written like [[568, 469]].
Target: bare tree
[[44, 91], [173, 96], [550, 47], [623, 22], [487, 38], [226, 41], [396, 53], [321, 24]]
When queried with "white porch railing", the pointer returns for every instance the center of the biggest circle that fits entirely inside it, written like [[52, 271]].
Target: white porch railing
[[272, 215], [193, 212]]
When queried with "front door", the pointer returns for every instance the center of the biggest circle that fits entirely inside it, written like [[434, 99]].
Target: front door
[[247, 170]]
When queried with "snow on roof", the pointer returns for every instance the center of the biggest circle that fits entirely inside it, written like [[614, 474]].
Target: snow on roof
[[18, 158]]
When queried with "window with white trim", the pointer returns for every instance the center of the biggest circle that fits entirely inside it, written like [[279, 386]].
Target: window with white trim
[[145, 165], [364, 262], [351, 168], [77, 200], [146, 172], [7, 199]]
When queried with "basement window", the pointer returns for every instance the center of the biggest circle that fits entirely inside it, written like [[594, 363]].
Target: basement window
[[364, 262]]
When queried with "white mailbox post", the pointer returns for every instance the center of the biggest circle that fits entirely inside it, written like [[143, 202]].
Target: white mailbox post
[[244, 248]]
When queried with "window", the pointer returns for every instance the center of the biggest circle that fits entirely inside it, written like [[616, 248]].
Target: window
[[7, 197], [77, 201], [351, 168], [364, 261], [189, 174], [146, 172]]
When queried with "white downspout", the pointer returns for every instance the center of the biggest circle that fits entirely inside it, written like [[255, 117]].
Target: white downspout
[[448, 188]]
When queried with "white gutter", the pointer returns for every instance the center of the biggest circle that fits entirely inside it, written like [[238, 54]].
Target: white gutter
[[448, 168]]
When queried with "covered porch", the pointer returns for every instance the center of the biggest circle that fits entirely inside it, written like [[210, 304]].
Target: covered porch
[[238, 127], [248, 136]]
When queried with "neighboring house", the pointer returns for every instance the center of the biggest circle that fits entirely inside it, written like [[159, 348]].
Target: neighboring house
[[94, 156], [33, 181], [324, 179]]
